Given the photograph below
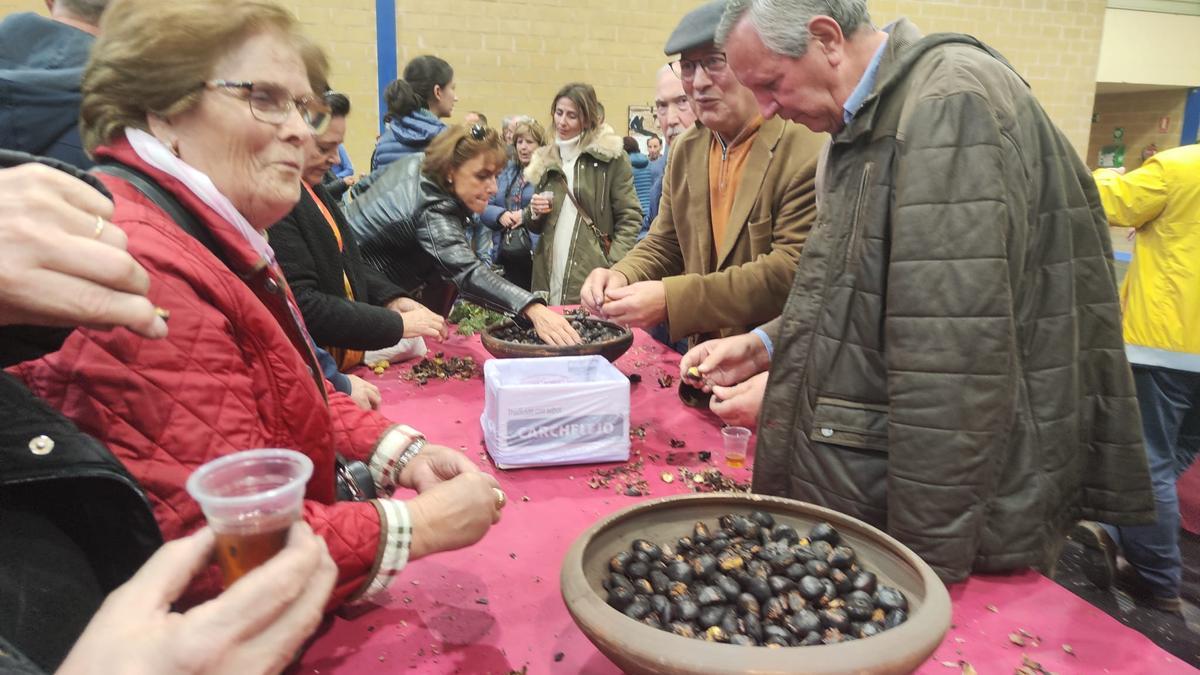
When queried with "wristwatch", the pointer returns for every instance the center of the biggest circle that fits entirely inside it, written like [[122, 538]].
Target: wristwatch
[[409, 453]]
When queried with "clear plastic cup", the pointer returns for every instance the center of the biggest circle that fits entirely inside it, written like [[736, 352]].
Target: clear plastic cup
[[736, 440], [250, 499]]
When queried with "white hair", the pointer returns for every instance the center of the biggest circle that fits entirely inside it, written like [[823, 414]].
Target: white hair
[[783, 24]]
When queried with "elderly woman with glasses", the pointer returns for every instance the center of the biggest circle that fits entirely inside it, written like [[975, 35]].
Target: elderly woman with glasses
[[200, 127], [413, 220]]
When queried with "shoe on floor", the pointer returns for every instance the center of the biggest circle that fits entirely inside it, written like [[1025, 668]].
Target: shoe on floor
[[1099, 553], [1128, 580]]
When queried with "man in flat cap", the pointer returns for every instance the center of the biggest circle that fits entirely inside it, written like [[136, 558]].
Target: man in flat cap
[[737, 203]]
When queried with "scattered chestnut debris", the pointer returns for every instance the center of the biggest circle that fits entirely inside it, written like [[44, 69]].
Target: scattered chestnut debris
[[666, 380], [634, 378], [441, 368], [1030, 667], [753, 582], [626, 479], [711, 480], [676, 443], [591, 330]]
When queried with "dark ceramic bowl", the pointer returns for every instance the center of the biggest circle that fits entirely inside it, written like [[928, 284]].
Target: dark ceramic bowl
[[611, 349], [638, 648]]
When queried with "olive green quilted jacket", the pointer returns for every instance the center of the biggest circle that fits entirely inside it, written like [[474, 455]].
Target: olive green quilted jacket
[[949, 364]]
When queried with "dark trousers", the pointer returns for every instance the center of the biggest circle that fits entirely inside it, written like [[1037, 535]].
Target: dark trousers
[[1170, 405]]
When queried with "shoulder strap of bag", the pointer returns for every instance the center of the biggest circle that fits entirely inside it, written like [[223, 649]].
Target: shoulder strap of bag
[[352, 482], [165, 201], [605, 240]]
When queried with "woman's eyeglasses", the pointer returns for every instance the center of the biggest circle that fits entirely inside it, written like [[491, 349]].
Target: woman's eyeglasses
[[685, 69], [271, 103]]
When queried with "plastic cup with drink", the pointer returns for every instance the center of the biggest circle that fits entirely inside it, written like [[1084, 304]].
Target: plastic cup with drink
[[548, 195], [250, 499], [736, 440]]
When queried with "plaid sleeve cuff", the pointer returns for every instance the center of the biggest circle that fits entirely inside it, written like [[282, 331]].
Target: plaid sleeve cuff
[[385, 461], [395, 535]]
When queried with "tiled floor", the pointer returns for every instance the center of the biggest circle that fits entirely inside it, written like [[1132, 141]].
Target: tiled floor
[[1180, 637]]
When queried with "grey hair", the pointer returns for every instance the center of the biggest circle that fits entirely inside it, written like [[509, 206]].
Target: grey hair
[[86, 10], [783, 24]]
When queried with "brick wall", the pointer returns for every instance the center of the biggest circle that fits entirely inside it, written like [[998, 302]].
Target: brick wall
[[510, 56], [1138, 113], [1053, 44]]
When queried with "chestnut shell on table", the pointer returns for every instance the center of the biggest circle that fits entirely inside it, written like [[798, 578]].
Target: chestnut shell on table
[[611, 349]]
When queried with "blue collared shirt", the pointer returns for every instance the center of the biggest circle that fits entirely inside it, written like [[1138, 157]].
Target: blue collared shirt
[[865, 85]]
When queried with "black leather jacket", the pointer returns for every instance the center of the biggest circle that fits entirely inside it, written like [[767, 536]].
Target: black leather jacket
[[413, 231]]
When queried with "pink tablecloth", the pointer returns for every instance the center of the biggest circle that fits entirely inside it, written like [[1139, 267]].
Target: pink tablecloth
[[496, 607]]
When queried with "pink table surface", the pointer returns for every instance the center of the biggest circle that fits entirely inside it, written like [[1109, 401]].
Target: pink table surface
[[495, 607]]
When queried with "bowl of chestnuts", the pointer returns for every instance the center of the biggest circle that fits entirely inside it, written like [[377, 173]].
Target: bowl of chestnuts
[[510, 340], [735, 583]]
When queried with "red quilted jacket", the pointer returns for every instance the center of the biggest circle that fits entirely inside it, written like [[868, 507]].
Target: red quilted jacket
[[226, 378]]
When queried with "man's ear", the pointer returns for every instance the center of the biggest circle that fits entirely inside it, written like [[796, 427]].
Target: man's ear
[[825, 34]]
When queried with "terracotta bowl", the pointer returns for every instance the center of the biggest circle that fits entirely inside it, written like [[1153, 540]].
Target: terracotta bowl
[[638, 648], [611, 349]]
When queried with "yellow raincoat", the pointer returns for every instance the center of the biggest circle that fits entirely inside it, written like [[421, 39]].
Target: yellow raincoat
[[1161, 293]]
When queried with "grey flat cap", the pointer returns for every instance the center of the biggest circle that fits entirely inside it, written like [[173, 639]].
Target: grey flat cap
[[698, 28]]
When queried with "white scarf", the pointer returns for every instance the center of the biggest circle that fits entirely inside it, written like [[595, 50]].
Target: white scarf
[[156, 154], [564, 228]]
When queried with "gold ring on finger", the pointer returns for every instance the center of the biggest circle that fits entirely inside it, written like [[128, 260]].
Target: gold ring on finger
[[501, 498], [99, 229]]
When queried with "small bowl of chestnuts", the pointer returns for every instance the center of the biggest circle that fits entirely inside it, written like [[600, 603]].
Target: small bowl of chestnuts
[[511, 340], [736, 583]]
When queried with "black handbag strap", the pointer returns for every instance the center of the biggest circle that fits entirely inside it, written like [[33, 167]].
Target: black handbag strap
[[165, 201]]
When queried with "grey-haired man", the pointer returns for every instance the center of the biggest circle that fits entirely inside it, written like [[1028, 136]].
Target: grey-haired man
[[949, 365]]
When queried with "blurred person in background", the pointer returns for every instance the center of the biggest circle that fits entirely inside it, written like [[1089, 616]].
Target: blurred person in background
[[413, 222], [508, 210], [349, 307], [675, 116], [41, 63], [416, 104], [654, 151], [584, 203], [1160, 299], [643, 175], [200, 127]]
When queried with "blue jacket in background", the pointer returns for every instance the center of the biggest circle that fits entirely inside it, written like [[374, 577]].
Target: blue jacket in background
[[513, 193], [652, 212], [643, 178], [41, 65], [344, 168], [408, 135]]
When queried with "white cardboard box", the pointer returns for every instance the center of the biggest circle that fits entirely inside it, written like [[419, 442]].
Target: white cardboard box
[[559, 410]]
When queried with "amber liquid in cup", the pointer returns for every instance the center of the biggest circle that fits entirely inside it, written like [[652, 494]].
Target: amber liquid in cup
[[250, 499], [735, 461], [240, 552]]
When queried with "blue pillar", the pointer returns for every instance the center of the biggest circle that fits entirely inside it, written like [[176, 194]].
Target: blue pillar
[[1191, 118], [385, 49]]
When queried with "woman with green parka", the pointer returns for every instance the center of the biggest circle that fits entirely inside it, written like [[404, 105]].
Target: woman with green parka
[[585, 206]]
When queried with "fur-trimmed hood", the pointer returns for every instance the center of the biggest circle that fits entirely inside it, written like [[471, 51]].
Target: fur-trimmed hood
[[605, 146]]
